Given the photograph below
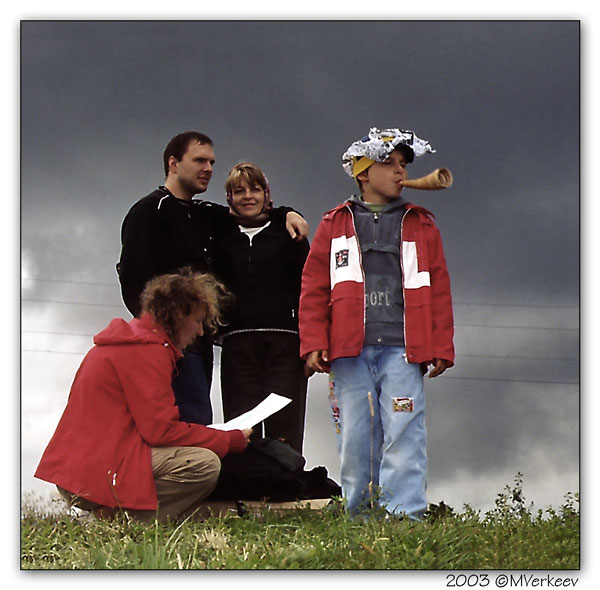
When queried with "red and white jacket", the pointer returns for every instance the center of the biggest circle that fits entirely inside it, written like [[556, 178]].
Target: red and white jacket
[[332, 302]]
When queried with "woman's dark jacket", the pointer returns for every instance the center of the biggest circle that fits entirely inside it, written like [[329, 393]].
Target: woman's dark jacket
[[264, 275]]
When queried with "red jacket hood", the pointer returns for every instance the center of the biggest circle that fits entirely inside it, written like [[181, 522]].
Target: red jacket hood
[[142, 330]]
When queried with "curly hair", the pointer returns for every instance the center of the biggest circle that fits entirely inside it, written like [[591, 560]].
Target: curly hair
[[169, 298]]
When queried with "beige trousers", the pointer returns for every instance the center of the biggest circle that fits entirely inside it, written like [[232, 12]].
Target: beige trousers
[[183, 476]]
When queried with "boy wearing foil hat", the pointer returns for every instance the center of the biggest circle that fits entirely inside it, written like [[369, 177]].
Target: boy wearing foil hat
[[375, 312]]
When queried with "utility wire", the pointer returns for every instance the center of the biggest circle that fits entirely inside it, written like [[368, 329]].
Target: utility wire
[[516, 327], [515, 358], [467, 303], [501, 380], [476, 303], [70, 282], [122, 306], [54, 351], [56, 333], [459, 356], [456, 303], [72, 303]]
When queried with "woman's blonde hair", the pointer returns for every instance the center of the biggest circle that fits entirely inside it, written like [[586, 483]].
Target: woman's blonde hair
[[246, 172], [169, 298]]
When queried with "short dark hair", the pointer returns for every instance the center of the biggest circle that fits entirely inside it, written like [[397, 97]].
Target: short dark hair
[[409, 154], [179, 145]]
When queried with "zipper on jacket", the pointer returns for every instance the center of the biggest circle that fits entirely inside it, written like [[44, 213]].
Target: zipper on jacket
[[375, 222], [250, 265], [362, 270], [403, 289]]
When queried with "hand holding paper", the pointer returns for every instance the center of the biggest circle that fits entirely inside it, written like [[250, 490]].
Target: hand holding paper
[[273, 403]]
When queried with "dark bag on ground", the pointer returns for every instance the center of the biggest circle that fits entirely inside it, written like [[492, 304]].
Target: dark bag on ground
[[270, 469]]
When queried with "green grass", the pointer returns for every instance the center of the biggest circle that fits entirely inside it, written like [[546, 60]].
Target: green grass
[[509, 536]]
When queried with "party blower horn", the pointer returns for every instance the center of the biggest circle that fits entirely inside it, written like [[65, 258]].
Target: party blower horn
[[436, 180]]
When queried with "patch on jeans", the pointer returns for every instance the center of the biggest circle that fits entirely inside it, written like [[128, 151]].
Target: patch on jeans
[[333, 404], [403, 404]]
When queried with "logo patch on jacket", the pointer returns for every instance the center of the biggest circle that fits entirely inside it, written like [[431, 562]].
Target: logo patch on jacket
[[341, 258], [344, 261], [403, 404]]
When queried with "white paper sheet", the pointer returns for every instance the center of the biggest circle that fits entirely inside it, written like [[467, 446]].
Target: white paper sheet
[[271, 404]]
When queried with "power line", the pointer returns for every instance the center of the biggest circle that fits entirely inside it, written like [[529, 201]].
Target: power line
[[459, 356], [515, 358], [503, 380], [489, 379], [60, 281], [467, 303], [53, 351], [121, 306], [492, 379], [536, 305], [516, 327], [56, 333], [72, 303]]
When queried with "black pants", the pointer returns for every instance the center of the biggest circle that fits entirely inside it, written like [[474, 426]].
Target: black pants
[[255, 364]]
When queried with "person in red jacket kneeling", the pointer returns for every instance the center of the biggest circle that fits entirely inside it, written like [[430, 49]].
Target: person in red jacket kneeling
[[120, 443]]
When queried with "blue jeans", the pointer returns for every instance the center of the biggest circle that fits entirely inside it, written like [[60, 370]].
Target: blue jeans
[[191, 387], [381, 440]]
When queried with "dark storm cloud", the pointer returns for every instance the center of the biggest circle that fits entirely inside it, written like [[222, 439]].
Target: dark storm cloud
[[498, 100]]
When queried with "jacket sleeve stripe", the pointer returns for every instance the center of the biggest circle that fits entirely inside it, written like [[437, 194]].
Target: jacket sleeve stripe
[[413, 279]]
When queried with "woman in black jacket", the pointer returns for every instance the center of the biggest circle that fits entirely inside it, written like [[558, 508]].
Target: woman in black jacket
[[262, 266]]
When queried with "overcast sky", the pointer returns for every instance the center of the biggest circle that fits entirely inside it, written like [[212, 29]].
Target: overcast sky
[[499, 101]]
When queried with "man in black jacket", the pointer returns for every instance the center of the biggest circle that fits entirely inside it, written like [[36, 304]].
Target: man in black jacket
[[167, 230]]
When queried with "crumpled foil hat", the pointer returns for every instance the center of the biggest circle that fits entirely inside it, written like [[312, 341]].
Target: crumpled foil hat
[[378, 145]]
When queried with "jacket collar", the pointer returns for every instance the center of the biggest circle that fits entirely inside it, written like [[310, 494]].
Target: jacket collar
[[346, 205], [391, 206]]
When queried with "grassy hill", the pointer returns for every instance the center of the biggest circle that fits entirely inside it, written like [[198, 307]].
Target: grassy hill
[[509, 536]]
